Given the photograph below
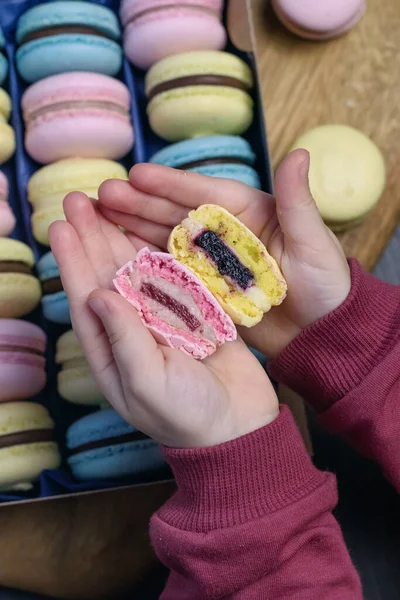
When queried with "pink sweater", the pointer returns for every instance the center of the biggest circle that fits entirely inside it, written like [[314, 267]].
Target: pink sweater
[[252, 518]]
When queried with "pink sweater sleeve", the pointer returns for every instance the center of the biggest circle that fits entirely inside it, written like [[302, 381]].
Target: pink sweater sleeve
[[347, 366], [252, 519]]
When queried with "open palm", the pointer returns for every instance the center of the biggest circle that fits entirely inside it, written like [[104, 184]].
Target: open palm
[[157, 198], [164, 393]]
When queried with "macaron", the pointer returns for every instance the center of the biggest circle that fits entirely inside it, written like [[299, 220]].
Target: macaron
[[316, 20], [7, 135], [226, 156], [174, 304], [347, 173], [77, 114], [155, 29], [22, 361], [104, 446], [75, 380], [48, 187], [59, 37], [199, 93], [231, 261], [27, 445], [3, 58], [54, 300], [7, 218], [19, 289]]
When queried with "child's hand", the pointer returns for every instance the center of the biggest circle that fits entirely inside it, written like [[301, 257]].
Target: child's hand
[[290, 226], [164, 393]]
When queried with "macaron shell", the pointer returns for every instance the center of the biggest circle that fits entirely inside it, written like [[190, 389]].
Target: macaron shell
[[7, 142], [170, 32], [68, 347], [315, 20], [42, 220], [22, 464], [5, 105], [67, 53], [19, 294], [347, 172], [3, 69], [16, 251], [242, 173], [56, 308], [117, 461], [77, 385]]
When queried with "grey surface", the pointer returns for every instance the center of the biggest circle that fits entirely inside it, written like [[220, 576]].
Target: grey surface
[[368, 511]]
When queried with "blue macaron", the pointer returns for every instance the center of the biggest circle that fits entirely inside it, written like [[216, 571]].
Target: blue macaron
[[227, 156], [3, 58], [103, 446], [63, 36], [54, 300]]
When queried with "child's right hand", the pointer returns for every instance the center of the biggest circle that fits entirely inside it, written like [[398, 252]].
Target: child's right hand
[[157, 198]]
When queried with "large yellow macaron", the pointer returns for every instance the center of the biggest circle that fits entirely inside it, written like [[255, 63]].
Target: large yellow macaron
[[48, 187], [27, 444], [7, 136], [231, 261], [20, 290], [199, 93], [347, 173]]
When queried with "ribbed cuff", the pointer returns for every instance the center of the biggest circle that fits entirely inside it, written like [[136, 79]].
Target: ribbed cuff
[[331, 357], [241, 480]]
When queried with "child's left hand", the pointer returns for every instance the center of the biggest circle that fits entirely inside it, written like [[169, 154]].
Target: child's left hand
[[164, 393]]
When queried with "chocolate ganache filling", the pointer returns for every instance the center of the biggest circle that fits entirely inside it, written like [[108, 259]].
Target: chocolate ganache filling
[[134, 436], [15, 266], [52, 286], [26, 437], [226, 261], [220, 160], [189, 80], [62, 29], [150, 290]]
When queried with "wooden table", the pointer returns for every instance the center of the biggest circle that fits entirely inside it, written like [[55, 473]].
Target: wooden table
[[353, 80]]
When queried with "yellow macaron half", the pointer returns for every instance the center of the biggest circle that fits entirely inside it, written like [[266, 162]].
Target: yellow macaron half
[[231, 261], [20, 290]]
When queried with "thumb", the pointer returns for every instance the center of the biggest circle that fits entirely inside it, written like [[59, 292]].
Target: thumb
[[297, 212], [132, 344]]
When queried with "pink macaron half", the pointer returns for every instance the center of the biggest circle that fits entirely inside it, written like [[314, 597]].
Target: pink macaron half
[[174, 304], [155, 29], [319, 20], [7, 218], [77, 115], [22, 361]]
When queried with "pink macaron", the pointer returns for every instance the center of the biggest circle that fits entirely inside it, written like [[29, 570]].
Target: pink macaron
[[22, 361], [7, 218], [319, 19], [155, 29], [174, 304], [77, 115]]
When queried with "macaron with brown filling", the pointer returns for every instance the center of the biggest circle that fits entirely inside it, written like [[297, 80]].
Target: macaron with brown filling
[[20, 291], [54, 300]]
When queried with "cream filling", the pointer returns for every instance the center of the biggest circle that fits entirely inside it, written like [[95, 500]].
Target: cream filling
[[73, 104]]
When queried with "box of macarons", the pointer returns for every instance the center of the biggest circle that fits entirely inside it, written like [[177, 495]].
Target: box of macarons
[[89, 88]]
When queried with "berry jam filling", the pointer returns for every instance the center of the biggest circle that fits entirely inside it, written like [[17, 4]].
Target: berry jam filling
[[150, 290], [226, 261]]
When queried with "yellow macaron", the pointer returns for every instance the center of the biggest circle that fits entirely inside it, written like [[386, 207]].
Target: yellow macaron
[[199, 93], [48, 187], [7, 136], [231, 261], [20, 290], [347, 173], [27, 444]]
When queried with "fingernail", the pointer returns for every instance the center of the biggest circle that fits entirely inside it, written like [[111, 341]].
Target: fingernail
[[98, 306]]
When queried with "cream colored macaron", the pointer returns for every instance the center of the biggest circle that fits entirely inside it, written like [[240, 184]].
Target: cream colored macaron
[[7, 135], [347, 173]]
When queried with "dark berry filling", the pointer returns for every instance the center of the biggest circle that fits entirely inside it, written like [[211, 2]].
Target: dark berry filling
[[153, 292], [226, 261]]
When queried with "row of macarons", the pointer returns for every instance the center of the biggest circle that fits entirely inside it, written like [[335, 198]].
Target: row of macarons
[[61, 36], [23, 365], [100, 446]]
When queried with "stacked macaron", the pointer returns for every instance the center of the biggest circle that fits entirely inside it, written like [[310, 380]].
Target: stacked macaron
[[70, 52]]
